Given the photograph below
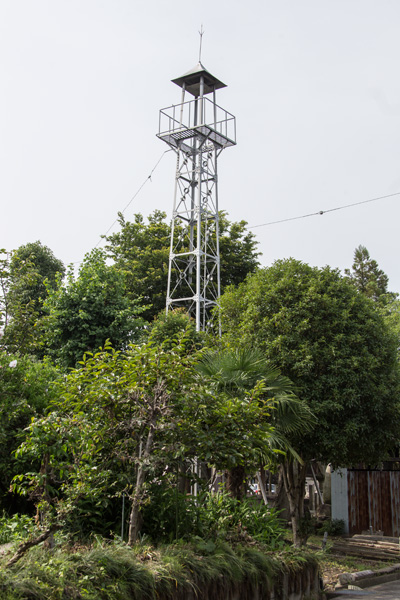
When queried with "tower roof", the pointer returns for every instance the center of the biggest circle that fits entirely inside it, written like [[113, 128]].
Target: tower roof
[[191, 79]]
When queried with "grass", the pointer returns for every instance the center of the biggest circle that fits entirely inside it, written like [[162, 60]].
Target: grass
[[113, 571]]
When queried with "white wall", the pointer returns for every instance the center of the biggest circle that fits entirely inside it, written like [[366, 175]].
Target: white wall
[[340, 502]]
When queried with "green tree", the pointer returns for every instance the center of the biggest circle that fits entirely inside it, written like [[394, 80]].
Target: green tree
[[390, 310], [32, 271], [238, 251], [366, 275], [141, 250], [113, 423], [4, 288], [87, 310], [167, 328], [333, 344], [39, 259], [123, 422], [25, 392], [237, 370]]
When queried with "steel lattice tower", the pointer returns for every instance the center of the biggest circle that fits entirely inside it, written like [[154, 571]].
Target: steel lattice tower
[[197, 130]]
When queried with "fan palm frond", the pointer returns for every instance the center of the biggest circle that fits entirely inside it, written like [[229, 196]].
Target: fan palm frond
[[292, 415], [237, 370]]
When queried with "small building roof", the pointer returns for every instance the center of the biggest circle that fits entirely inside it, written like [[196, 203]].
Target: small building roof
[[192, 81]]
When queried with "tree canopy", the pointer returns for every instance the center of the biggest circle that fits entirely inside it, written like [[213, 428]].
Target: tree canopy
[[366, 276], [27, 274], [332, 342], [142, 249], [334, 345], [25, 392], [38, 259], [127, 421], [86, 310]]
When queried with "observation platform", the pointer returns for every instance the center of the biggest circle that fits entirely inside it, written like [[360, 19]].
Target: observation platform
[[199, 119]]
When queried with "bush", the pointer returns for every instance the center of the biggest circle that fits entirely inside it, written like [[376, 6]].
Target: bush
[[222, 515], [168, 514], [25, 392], [333, 527], [15, 528]]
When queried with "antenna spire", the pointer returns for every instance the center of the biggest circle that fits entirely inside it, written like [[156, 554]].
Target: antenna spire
[[201, 33]]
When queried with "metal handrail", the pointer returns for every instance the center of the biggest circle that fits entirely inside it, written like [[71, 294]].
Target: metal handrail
[[221, 121]]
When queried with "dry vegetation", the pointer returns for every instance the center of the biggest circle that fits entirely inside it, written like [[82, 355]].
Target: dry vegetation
[[333, 563]]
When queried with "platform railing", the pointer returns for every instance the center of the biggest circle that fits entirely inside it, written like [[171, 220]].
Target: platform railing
[[196, 114]]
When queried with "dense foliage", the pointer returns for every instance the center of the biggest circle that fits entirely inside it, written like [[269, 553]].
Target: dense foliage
[[333, 344], [114, 572], [141, 251], [129, 432], [25, 393], [167, 328], [125, 423], [36, 260], [26, 276], [89, 309]]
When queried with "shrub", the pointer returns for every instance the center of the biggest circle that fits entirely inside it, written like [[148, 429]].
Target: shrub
[[333, 527], [222, 515], [168, 514], [15, 528]]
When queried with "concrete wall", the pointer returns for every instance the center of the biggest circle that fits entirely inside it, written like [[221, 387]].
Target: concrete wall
[[340, 496]]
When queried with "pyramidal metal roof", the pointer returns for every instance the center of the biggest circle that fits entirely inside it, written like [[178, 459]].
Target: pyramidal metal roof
[[191, 79]]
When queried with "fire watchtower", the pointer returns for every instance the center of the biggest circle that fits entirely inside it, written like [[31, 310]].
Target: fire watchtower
[[197, 130]]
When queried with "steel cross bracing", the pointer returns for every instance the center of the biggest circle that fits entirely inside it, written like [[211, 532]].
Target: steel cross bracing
[[197, 131], [194, 271]]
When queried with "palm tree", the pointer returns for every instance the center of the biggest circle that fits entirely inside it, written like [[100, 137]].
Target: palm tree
[[235, 372]]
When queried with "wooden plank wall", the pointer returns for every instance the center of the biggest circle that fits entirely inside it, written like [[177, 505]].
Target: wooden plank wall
[[374, 500]]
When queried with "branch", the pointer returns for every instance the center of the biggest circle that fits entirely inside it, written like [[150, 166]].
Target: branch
[[23, 548]]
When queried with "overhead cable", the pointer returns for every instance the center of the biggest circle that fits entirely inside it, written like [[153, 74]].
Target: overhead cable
[[148, 178], [323, 212]]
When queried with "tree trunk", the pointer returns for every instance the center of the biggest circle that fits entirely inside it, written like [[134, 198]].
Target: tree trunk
[[294, 477], [156, 408], [235, 482], [262, 488], [281, 501], [137, 497]]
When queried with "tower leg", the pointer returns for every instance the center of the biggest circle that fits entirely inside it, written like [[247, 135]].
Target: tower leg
[[193, 271]]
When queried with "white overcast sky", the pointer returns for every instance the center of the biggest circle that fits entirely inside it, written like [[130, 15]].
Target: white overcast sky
[[314, 85]]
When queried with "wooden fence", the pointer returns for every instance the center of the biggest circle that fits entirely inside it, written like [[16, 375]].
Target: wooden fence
[[374, 501]]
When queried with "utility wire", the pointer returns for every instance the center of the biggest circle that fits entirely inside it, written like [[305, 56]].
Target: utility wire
[[323, 212], [148, 178], [320, 212]]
